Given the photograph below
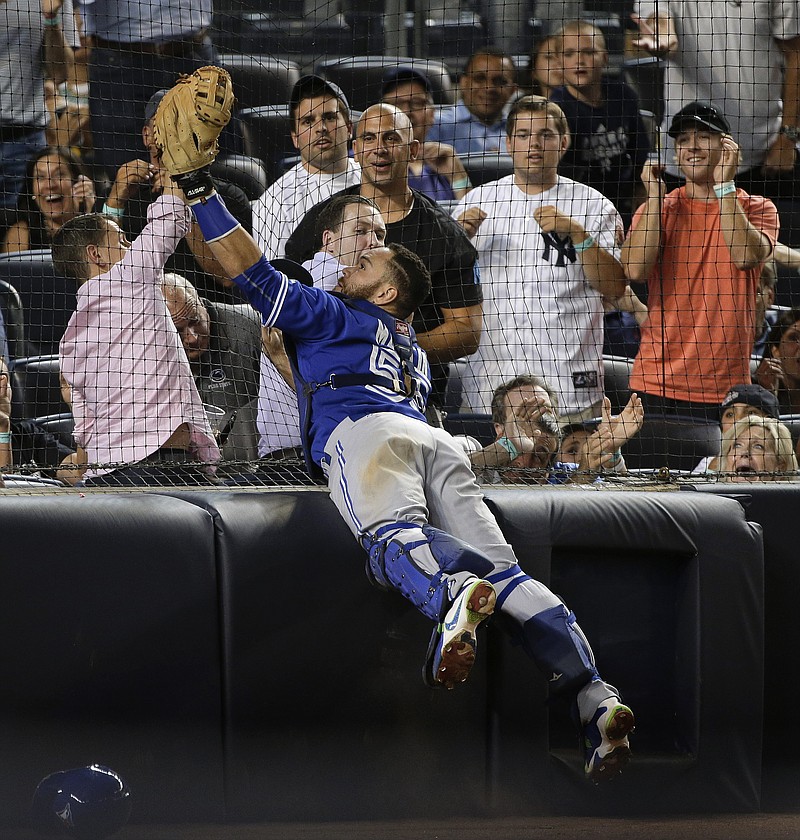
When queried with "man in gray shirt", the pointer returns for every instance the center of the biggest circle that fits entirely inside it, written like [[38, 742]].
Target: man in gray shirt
[[138, 47]]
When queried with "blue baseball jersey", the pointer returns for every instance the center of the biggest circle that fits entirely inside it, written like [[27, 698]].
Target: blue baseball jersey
[[337, 337]]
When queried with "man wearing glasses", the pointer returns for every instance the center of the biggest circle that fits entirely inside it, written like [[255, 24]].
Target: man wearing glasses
[[477, 125]]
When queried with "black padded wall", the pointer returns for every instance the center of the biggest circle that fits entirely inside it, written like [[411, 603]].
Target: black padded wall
[[326, 713], [224, 651], [109, 649], [662, 587], [774, 507]]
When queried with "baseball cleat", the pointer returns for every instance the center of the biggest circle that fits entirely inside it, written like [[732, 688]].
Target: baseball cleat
[[605, 740], [451, 653]]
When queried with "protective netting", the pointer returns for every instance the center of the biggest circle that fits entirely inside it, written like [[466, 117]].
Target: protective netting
[[619, 177]]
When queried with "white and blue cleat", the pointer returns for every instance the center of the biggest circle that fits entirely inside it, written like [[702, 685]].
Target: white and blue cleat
[[605, 740], [451, 653]]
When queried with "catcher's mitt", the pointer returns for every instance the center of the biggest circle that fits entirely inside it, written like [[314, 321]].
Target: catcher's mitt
[[190, 118]]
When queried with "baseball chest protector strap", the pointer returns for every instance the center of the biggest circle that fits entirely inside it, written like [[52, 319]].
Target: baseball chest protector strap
[[403, 339]]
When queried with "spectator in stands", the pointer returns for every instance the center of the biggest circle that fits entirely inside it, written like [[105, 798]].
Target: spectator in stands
[[609, 140], [437, 171], [548, 250], [477, 124], [758, 449], [742, 59], [448, 324], [765, 317], [137, 47], [223, 345], [741, 401], [138, 416], [139, 182], [529, 439], [779, 370], [545, 68], [33, 48], [347, 227], [700, 250], [321, 131], [57, 188]]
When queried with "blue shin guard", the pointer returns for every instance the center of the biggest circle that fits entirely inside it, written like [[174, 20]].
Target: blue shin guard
[[402, 557], [556, 644]]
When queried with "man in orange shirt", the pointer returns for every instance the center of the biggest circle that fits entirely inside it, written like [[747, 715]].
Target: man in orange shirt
[[700, 250]]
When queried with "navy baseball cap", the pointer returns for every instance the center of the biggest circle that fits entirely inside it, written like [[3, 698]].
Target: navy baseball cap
[[307, 86], [153, 103], [87, 803], [698, 115], [404, 73], [754, 395]]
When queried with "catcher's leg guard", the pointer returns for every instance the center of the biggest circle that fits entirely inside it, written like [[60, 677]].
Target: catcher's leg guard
[[556, 644], [417, 560]]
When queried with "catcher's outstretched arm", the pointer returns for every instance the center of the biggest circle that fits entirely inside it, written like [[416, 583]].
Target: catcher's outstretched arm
[[231, 244]]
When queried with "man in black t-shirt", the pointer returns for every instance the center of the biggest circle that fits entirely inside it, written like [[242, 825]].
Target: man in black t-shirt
[[448, 324]]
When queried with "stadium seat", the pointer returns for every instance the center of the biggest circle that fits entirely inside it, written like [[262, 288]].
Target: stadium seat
[[36, 387], [489, 167], [260, 79], [616, 373], [454, 38], [280, 28], [48, 299], [479, 426], [646, 76], [361, 77], [14, 320], [678, 444], [266, 136], [60, 426], [247, 173]]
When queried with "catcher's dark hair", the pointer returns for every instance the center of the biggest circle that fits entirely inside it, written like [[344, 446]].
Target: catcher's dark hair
[[412, 279], [498, 407], [70, 242], [332, 215]]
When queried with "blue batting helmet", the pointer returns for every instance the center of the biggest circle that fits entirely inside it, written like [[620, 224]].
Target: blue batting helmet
[[88, 803]]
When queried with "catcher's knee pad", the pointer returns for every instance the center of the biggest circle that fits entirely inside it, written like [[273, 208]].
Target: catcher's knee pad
[[556, 643], [416, 561]]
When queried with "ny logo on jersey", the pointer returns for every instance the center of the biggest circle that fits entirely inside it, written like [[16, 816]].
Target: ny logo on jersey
[[564, 248]]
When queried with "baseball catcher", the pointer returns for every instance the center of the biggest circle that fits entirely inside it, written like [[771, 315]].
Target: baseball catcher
[[405, 489]]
